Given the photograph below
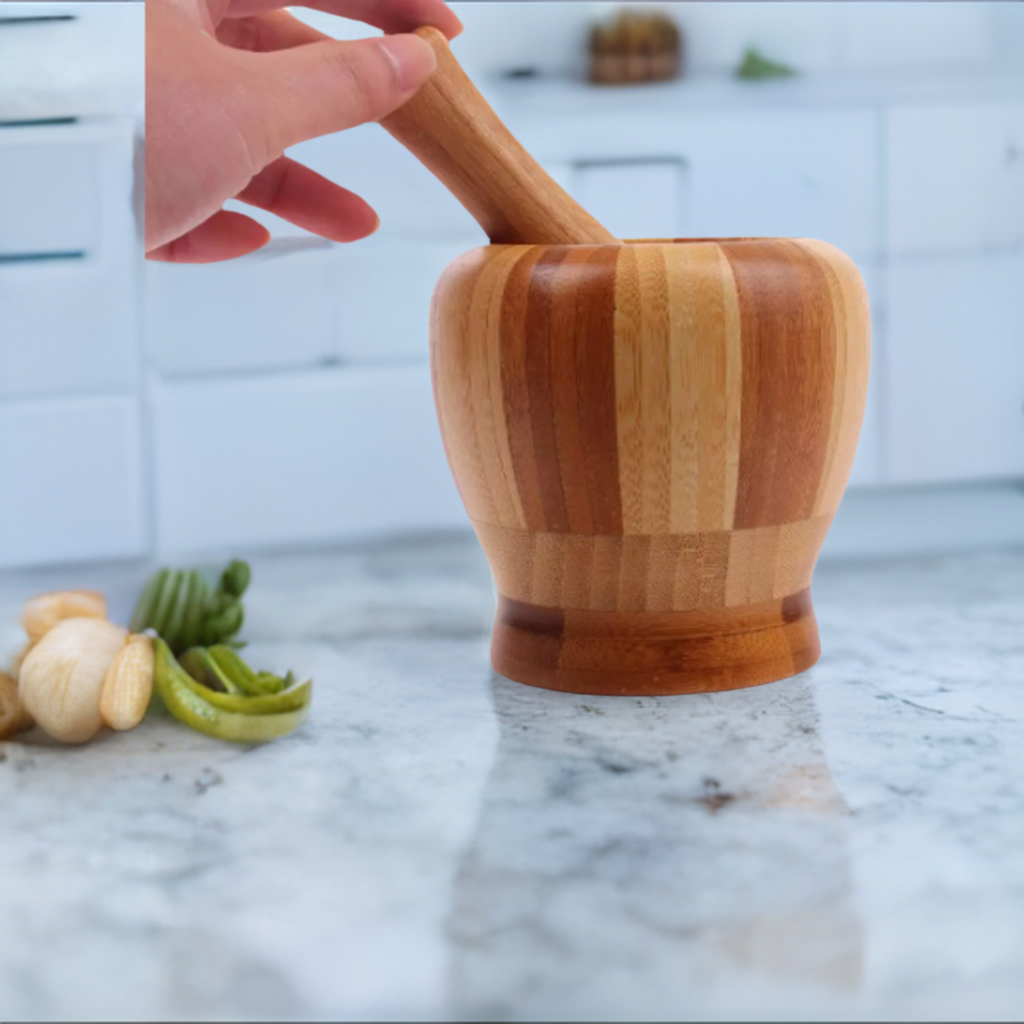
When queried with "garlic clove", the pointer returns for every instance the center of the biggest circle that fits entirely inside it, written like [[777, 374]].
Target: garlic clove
[[128, 684], [13, 716], [44, 611], [61, 677]]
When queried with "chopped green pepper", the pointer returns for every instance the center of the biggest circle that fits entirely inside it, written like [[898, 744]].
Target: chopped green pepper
[[206, 711]]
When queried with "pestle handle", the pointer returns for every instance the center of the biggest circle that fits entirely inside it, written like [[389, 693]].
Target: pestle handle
[[454, 132]]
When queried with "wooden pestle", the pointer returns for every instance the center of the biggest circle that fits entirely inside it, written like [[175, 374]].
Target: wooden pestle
[[454, 132]]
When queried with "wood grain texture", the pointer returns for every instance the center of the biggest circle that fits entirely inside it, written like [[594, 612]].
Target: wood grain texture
[[454, 132], [651, 440]]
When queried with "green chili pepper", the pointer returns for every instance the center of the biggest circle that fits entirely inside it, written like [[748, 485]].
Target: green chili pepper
[[235, 578], [234, 668], [196, 661], [165, 601], [265, 704], [180, 694], [182, 608], [269, 683], [143, 613], [194, 609]]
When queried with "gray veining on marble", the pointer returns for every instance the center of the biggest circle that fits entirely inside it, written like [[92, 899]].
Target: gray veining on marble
[[440, 843]]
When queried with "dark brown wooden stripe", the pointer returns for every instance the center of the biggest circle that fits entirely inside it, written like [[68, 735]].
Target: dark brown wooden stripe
[[788, 338], [595, 376], [531, 618], [655, 652], [540, 343], [566, 356], [515, 387]]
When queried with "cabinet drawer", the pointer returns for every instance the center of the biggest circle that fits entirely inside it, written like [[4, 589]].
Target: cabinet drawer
[[273, 309], [954, 365], [71, 60], [406, 196], [52, 197], [78, 473], [68, 257], [299, 458], [67, 326], [384, 290], [795, 173], [633, 198], [956, 178]]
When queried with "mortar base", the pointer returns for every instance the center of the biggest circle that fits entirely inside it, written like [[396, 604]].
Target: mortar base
[[655, 653]]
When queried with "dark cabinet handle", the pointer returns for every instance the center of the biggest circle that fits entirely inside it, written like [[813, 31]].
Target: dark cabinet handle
[[35, 18], [38, 257]]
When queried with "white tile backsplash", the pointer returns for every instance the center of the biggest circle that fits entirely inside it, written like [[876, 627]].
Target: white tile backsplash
[[274, 309], [384, 287], [299, 458], [956, 177], [912, 36], [74, 481], [954, 369]]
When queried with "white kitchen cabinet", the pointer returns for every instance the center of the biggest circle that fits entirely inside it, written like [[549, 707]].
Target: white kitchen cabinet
[[368, 161], [384, 288], [68, 258], [954, 369], [71, 59], [75, 485], [790, 173], [956, 178], [299, 458], [50, 202], [797, 174], [273, 309], [634, 198]]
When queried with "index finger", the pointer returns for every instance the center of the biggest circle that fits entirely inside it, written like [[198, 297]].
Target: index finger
[[389, 15]]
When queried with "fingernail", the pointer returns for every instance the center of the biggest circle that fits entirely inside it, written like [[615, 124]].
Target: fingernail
[[412, 58]]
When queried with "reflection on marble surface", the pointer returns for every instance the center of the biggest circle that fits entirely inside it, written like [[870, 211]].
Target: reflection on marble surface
[[440, 843]]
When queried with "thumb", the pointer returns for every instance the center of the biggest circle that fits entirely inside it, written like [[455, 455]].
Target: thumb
[[326, 87]]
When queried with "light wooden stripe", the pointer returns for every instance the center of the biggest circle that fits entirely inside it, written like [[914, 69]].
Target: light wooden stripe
[[486, 390], [655, 391], [454, 363], [629, 357], [697, 347], [706, 387], [516, 386], [797, 553], [661, 572], [733, 396], [851, 382]]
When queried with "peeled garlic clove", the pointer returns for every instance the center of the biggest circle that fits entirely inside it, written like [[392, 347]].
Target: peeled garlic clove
[[62, 675], [43, 612], [128, 684], [13, 716]]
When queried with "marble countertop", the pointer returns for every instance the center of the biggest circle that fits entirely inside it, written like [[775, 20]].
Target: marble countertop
[[439, 843]]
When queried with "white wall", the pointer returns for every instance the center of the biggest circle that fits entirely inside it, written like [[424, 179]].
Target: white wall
[[814, 37]]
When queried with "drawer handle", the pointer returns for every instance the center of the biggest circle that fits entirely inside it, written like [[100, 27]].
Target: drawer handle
[[38, 121], [30, 18], [36, 257]]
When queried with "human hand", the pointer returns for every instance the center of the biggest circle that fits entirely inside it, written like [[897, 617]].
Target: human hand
[[231, 84]]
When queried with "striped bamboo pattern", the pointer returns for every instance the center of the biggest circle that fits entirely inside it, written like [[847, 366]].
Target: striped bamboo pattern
[[651, 440]]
